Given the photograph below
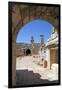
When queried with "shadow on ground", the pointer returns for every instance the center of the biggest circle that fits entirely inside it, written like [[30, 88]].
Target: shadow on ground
[[25, 77]]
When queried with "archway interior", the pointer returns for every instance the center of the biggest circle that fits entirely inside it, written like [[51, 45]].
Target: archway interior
[[28, 52], [35, 29], [31, 34]]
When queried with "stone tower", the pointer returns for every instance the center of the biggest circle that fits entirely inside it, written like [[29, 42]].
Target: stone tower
[[32, 40], [42, 40]]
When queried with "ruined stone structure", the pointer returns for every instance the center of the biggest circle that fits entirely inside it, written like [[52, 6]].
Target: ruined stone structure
[[52, 48], [24, 49], [22, 14]]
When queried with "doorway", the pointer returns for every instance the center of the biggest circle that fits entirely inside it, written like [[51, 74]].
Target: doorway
[[28, 52]]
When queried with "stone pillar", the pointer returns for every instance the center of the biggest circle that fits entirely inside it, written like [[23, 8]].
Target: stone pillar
[[14, 62], [48, 58]]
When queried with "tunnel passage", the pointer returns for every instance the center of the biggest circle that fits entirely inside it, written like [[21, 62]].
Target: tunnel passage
[[28, 52]]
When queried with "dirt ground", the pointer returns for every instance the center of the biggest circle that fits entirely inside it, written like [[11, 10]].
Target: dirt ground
[[28, 72]]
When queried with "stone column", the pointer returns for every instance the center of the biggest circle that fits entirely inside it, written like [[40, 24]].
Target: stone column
[[14, 62], [48, 58]]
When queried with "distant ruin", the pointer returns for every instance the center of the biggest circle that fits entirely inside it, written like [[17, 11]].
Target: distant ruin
[[23, 49]]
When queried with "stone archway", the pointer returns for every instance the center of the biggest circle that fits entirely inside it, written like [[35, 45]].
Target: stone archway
[[28, 52], [22, 14]]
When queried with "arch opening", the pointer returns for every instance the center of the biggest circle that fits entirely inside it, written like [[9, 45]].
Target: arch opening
[[34, 28], [32, 21], [28, 52]]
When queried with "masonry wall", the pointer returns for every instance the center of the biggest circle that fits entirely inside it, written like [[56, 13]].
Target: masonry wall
[[53, 56], [20, 49]]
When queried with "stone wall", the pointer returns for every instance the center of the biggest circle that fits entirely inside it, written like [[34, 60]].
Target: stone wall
[[53, 56], [21, 50]]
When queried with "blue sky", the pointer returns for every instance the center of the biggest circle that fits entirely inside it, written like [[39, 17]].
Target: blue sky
[[34, 28]]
